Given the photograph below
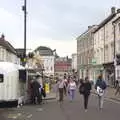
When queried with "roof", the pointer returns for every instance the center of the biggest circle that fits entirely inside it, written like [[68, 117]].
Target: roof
[[90, 29], [44, 51], [20, 51], [7, 45], [105, 21]]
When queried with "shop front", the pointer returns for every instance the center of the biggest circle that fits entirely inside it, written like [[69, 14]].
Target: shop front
[[109, 74]]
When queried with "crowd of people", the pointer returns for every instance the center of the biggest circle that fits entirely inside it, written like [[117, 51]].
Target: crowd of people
[[67, 87]]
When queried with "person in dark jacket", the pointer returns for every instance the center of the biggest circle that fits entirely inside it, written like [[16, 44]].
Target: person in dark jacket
[[86, 86], [36, 93], [100, 86]]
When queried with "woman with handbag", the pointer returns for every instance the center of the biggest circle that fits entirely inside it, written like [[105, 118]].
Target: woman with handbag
[[84, 89], [71, 89]]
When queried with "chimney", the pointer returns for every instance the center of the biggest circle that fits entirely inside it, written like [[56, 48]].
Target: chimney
[[2, 37], [118, 10], [113, 10], [89, 27]]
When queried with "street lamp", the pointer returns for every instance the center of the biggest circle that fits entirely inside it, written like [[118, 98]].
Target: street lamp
[[24, 8]]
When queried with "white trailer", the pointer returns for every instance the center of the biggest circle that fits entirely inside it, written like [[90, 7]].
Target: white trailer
[[9, 82]]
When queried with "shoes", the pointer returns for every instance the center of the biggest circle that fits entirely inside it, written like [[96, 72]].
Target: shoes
[[86, 110]]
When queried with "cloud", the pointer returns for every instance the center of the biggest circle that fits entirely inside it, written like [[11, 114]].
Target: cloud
[[63, 48], [53, 23], [11, 26]]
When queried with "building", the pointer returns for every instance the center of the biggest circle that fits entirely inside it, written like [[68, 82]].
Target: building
[[104, 52], [63, 65], [47, 57], [85, 53], [7, 52], [74, 62]]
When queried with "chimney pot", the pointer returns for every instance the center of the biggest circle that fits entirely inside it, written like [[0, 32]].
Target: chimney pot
[[113, 10], [118, 10], [89, 27], [2, 37]]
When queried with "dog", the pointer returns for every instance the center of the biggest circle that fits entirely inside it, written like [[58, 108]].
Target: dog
[[21, 101]]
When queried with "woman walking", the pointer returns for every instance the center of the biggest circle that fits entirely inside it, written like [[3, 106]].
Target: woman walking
[[71, 89], [84, 89]]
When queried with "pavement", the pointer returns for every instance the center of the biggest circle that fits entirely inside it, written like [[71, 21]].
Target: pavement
[[53, 110], [50, 96], [110, 94]]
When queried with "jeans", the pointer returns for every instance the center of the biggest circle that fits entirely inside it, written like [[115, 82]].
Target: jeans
[[101, 101], [72, 94]]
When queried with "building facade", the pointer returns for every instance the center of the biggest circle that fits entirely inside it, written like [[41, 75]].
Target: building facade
[[85, 53], [74, 62], [48, 63], [104, 47], [62, 66], [47, 58], [7, 52]]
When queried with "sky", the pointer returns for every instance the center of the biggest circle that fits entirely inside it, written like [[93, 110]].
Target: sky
[[52, 23]]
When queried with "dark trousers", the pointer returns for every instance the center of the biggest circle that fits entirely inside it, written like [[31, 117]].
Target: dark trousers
[[39, 99], [86, 97], [65, 91], [61, 92]]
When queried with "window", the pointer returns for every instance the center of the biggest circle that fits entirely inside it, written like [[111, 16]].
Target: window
[[1, 78]]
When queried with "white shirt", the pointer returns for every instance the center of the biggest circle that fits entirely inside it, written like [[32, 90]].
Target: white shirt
[[72, 85], [61, 84]]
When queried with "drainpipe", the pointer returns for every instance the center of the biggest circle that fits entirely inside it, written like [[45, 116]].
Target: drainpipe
[[114, 54]]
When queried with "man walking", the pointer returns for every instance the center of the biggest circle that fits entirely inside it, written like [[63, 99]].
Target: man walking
[[61, 85]]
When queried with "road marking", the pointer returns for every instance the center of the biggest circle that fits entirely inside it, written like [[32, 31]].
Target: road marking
[[29, 116], [39, 109]]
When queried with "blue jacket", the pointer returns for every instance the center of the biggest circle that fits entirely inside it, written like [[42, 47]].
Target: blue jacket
[[101, 83]]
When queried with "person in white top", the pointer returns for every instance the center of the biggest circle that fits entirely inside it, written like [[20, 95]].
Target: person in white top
[[71, 89], [61, 85]]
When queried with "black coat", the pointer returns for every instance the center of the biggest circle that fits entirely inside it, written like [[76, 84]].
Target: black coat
[[35, 87], [87, 87]]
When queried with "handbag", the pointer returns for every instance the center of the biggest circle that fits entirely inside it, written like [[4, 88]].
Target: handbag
[[81, 89]]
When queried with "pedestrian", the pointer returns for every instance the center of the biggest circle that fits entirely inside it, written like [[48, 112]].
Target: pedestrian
[[85, 89], [55, 88], [100, 86], [66, 83], [39, 80], [71, 89], [61, 85], [36, 91]]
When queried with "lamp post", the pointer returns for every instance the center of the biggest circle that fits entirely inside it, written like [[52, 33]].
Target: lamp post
[[24, 8]]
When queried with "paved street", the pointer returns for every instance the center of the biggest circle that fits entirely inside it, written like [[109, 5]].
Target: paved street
[[52, 110]]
